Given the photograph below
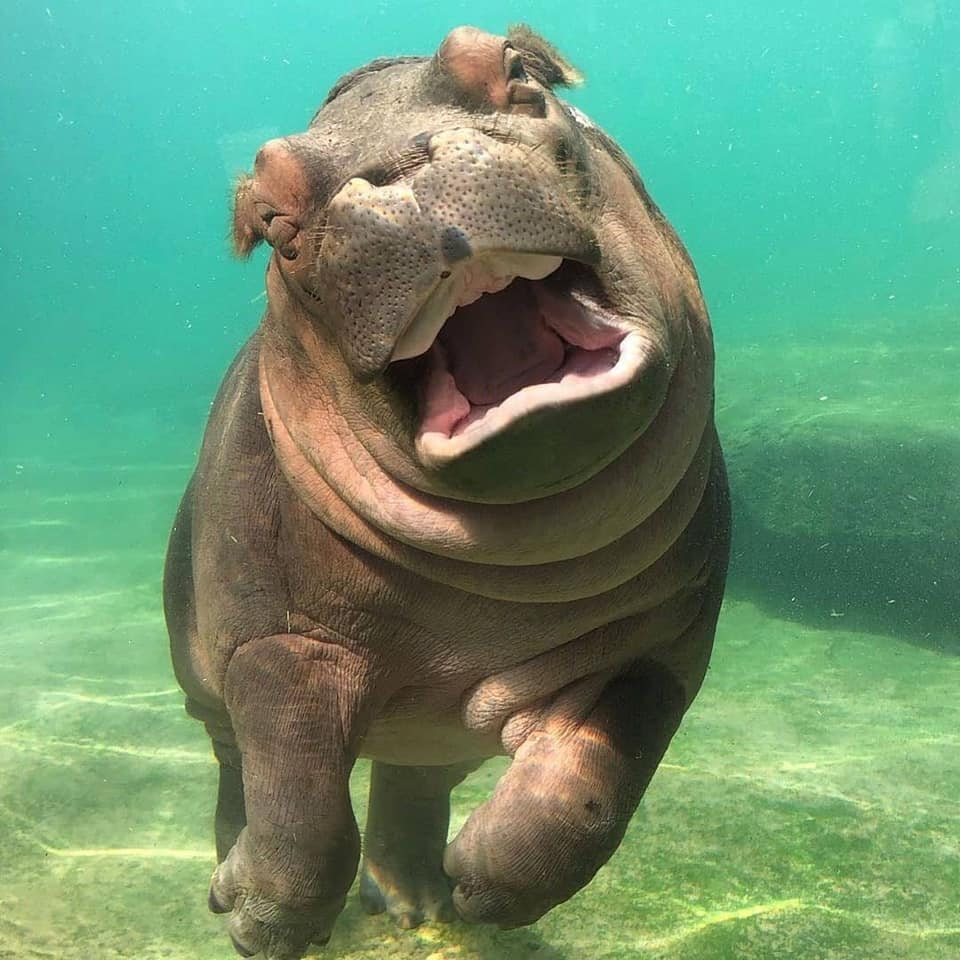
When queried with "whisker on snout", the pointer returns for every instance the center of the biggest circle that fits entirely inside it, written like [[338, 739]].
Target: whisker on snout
[[398, 164]]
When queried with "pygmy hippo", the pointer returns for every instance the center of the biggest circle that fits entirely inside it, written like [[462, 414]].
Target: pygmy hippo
[[460, 495]]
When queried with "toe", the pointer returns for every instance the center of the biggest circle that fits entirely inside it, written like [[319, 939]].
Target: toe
[[443, 912], [213, 902], [408, 919], [371, 896], [243, 949], [223, 886], [244, 935], [479, 902]]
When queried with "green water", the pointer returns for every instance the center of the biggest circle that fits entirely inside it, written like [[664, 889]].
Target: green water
[[810, 158]]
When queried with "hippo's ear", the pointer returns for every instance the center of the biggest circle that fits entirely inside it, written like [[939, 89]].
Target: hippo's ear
[[247, 225], [541, 59]]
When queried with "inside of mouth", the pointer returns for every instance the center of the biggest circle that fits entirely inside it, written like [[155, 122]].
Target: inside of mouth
[[500, 344], [494, 353]]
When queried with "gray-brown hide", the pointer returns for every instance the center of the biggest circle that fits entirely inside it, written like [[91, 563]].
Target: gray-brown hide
[[460, 495]]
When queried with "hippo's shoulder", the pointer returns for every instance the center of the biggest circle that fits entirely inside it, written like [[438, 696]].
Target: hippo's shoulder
[[237, 403]]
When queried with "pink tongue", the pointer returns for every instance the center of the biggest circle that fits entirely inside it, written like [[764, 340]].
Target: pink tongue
[[498, 345]]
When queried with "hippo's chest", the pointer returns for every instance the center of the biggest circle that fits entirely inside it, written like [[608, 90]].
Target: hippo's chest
[[433, 645], [431, 633]]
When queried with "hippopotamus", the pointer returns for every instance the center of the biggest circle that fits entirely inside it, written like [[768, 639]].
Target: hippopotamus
[[460, 495]]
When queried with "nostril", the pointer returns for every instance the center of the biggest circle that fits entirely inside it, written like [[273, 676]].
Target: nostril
[[455, 245]]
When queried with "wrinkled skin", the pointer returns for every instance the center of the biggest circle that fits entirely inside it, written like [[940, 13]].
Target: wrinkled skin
[[460, 495]]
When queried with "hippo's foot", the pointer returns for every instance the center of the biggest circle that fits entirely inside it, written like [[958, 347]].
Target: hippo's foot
[[403, 848], [538, 840], [409, 892], [262, 921]]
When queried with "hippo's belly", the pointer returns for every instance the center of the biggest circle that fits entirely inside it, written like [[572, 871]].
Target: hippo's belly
[[420, 727]]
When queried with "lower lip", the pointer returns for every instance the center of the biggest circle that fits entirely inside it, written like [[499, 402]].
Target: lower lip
[[448, 431]]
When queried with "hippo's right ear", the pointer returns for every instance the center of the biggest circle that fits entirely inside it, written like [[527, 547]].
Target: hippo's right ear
[[247, 224], [542, 59]]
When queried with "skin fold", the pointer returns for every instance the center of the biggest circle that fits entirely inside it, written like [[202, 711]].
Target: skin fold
[[430, 542]]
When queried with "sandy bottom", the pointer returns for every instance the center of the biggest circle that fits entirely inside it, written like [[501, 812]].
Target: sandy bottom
[[809, 808]]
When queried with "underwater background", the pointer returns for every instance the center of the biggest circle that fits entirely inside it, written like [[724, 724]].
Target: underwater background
[[809, 156]]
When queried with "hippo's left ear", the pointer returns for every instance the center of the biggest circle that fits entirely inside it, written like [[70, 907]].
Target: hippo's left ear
[[541, 59], [247, 224]]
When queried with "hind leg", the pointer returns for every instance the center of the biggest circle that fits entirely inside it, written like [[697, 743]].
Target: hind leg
[[406, 833], [231, 815]]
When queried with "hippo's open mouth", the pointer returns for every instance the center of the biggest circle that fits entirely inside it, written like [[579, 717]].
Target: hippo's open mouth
[[506, 336]]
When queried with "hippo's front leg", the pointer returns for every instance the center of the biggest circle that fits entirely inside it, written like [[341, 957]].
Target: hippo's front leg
[[562, 807], [295, 704]]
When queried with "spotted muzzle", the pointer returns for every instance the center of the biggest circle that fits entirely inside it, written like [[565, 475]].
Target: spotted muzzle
[[390, 252]]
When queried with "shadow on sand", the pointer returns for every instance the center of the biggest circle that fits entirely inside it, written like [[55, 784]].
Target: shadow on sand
[[857, 529]]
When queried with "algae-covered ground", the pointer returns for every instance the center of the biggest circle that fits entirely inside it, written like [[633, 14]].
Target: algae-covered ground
[[809, 808]]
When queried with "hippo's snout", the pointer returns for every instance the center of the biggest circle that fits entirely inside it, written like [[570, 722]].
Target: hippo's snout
[[387, 250]]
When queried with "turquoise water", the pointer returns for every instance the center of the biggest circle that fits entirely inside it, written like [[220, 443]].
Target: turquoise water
[[810, 158]]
